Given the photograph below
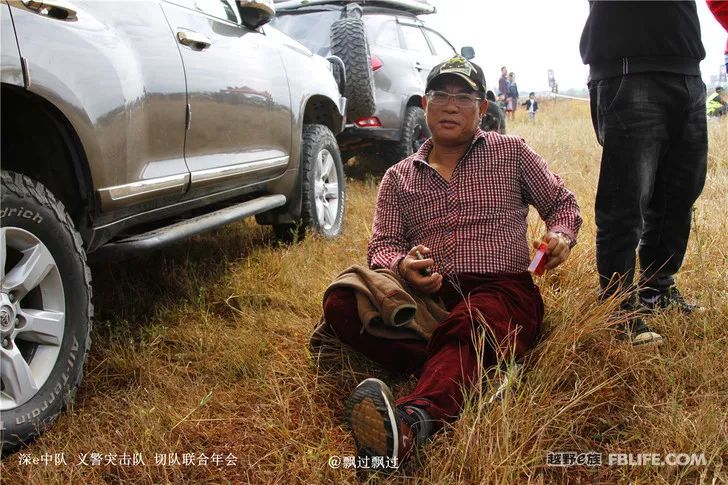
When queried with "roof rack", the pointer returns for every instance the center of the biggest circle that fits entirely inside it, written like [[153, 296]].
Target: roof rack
[[417, 7]]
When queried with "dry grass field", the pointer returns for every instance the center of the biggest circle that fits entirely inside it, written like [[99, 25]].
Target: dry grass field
[[200, 351]]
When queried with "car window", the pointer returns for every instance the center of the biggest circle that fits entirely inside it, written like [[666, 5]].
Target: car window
[[414, 39], [311, 29], [222, 9], [382, 31], [442, 47]]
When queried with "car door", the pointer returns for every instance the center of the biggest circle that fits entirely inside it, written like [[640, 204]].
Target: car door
[[240, 122], [414, 41], [116, 75]]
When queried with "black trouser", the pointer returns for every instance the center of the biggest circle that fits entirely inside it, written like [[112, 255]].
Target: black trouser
[[652, 127]]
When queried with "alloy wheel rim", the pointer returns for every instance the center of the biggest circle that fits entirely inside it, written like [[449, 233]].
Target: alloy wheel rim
[[32, 315], [326, 190]]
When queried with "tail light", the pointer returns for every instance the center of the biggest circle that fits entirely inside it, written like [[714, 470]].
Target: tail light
[[370, 122], [376, 63]]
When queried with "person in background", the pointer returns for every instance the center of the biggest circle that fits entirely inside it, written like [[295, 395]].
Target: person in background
[[720, 12], [512, 100], [531, 106], [716, 103], [503, 87], [648, 111]]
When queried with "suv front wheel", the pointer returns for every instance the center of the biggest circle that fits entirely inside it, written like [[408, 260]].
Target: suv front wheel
[[322, 184], [45, 309]]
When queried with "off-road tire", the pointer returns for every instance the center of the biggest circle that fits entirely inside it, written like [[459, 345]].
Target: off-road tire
[[38, 212], [414, 133], [316, 140], [349, 42]]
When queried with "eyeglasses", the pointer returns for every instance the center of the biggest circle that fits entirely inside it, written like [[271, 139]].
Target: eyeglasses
[[461, 99]]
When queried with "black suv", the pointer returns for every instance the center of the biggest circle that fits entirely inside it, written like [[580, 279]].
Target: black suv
[[388, 52]]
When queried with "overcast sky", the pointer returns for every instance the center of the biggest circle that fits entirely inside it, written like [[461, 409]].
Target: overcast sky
[[532, 36]]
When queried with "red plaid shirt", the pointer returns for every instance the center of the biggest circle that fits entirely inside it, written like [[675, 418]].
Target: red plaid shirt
[[476, 222]]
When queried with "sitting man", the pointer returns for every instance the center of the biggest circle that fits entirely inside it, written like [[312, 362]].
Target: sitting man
[[461, 201]]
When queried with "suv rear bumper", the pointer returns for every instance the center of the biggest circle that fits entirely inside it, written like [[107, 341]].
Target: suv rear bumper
[[354, 135]]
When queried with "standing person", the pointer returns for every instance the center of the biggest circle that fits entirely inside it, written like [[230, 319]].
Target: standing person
[[503, 88], [531, 106], [648, 110], [512, 95], [720, 12], [462, 201]]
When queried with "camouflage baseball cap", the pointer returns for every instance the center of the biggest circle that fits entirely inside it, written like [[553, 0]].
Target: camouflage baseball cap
[[461, 67]]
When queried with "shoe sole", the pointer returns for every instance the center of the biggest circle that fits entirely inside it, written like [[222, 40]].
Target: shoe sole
[[370, 414], [647, 338]]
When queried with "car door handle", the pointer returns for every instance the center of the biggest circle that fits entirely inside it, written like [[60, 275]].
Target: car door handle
[[193, 39], [57, 9]]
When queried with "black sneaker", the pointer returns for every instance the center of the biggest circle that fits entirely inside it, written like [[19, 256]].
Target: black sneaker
[[636, 332], [655, 300], [382, 431]]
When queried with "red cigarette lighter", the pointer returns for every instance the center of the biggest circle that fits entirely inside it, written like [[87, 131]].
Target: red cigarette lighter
[[539, 260]]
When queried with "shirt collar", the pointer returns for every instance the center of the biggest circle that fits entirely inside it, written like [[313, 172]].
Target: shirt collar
[[419, 158]]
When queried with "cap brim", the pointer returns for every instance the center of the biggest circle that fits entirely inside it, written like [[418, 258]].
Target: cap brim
[[470, 82]]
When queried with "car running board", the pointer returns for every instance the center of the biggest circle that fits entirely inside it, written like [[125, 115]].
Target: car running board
[[167, 235]]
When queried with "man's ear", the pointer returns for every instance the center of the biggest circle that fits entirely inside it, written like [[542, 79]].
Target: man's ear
[[424, 103]]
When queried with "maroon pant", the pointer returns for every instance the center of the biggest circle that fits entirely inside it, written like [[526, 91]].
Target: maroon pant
[[511, 306]]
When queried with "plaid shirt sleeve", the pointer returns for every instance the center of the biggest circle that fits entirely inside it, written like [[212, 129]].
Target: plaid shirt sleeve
[[387, 245], [545, 191]]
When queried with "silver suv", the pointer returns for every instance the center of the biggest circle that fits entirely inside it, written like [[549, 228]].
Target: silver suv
[[388, 52], [127, 126]]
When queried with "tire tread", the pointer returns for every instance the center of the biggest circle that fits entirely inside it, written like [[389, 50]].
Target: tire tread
[[24, 187]]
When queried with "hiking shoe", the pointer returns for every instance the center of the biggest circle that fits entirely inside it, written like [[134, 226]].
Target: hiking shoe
[[636, 332], [383, 432], [655, 300]]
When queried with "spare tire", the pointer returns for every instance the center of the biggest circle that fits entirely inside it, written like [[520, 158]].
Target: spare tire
[[349, 42]]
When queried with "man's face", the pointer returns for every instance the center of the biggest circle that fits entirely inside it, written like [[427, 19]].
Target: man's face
[[451, 123], [504, 71]]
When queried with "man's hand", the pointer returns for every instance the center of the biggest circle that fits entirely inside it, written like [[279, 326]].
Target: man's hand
[[409, 269], [558, 248]]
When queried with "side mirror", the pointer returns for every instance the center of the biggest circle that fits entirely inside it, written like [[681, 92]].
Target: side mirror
[[467, 52], [256, 13]]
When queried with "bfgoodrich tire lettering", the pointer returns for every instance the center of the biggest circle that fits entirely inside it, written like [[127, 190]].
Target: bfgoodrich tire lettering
[[30, 216]]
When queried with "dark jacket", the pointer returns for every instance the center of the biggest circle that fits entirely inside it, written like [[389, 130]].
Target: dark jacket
[[503, 85], [528, 102], [494, 119], [630, 37]]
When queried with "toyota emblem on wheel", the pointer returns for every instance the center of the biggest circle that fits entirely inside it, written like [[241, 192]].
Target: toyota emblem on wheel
[[4, 318]]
